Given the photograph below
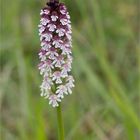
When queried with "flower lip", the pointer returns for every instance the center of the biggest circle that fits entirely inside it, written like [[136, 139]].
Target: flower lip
[[54, 16]]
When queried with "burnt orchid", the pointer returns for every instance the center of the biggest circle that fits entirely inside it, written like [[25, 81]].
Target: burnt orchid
[[55, 54]]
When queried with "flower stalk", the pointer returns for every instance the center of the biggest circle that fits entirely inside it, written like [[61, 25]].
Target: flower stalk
[[60, 122]]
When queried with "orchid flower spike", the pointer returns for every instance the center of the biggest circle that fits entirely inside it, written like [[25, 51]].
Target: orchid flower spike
[[55, 54]]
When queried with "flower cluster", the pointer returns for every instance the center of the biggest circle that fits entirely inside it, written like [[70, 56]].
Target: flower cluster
[[55, 53]]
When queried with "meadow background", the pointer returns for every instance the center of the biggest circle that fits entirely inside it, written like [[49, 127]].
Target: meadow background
[[105, 104]]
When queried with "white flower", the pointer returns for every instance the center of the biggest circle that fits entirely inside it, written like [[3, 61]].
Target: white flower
[[54, 17], [64, 73], [41, 29], [52, 53], [45, 45], [46, 11], [54, 100], [58, 61], [63, 12], [52, 27], [44, 21], [46, 84], [41, 67], [42, 55], [60, 32], [64, 21], [68, 36], [61, 90], [70, 79], [66, 50], [69, 59], [48, 36], [65, 69], [70, 84], [69, 88], [69, 27], [57, 42], [49, 65], [57, 76], [68, 16], [44, 92], [41, 12]]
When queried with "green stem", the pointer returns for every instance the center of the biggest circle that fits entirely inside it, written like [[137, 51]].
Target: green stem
[[60, 123]]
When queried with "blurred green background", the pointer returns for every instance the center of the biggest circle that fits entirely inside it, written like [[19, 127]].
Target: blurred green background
[[105, 104]]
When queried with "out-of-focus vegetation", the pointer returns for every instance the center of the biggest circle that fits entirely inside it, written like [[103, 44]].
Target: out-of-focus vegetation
[[105, 101]]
